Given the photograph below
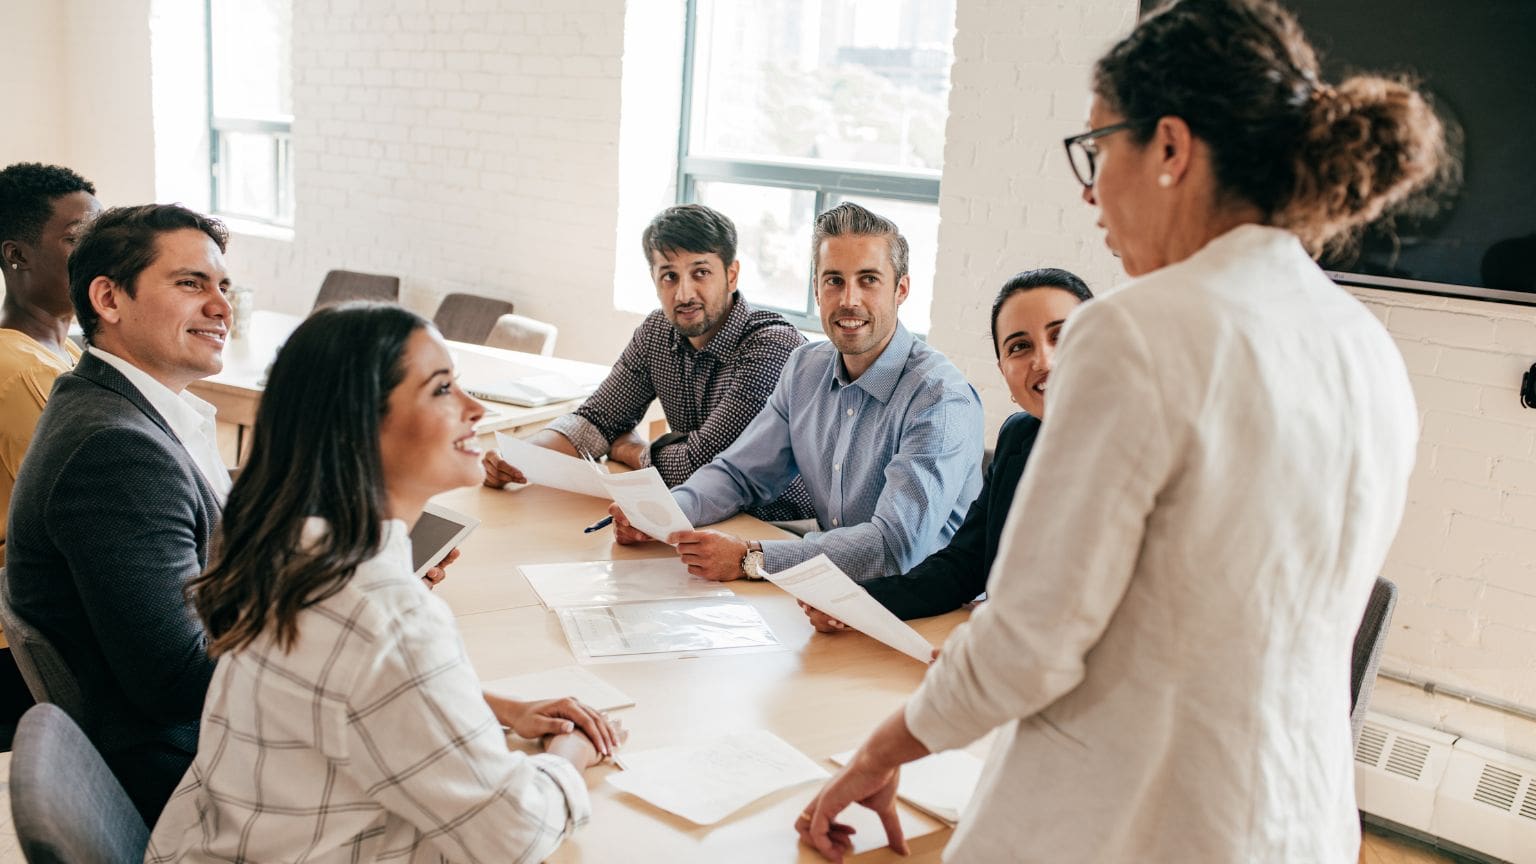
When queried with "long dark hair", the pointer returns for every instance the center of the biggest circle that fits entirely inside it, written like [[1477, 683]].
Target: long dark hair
[[1028, 280], [316, 453]]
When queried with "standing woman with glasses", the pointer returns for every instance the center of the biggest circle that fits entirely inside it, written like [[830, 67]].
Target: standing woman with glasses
[[1225, 467]]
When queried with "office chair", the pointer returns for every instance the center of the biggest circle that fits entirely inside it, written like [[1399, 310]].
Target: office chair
[[343, 285], [469, 317], [1366, 657], [66, 805]]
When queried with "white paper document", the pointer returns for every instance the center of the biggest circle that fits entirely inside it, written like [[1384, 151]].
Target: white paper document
[[549, 468], [647, 502], [590, 583], [707, 782], [574, 681], [643, 631], [940, 784], [819, 583]]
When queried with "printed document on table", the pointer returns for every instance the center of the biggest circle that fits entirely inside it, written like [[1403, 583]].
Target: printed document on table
[[548, 468], [589, 583], [819, 583], [940, 784], [573, 681], [647, 502], [707, 782], [649, 630]]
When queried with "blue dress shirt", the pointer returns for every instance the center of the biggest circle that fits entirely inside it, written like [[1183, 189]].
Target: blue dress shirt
[[892, 459]]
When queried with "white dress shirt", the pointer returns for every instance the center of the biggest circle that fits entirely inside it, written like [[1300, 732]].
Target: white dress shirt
[[368, 740], [192, 419], [1189, 554]]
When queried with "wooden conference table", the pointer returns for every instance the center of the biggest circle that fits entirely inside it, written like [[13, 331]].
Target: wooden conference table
[[822, 693], [236, 390]]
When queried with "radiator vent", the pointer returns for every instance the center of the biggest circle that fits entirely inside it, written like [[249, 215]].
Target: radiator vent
[[1497, 786], [1407, 757], [1372, 740], [1528, 808]]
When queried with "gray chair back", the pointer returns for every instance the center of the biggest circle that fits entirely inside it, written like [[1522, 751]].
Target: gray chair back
[[343, 285], [65, 803], [41, 666], [1366, 657], [469, 317], [521, 333]]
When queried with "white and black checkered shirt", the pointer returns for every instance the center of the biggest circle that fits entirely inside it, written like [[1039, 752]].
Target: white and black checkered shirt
[[368, 741], [709, 395]]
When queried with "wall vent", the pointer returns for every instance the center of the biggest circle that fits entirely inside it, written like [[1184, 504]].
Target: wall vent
[[1407, 757], [1497, 786], [1373, 740]]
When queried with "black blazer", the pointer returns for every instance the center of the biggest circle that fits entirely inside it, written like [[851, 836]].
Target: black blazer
[[109, 520], [956, 574]]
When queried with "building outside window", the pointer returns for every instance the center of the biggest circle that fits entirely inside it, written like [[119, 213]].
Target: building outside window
[[250, 109], [793, 106]]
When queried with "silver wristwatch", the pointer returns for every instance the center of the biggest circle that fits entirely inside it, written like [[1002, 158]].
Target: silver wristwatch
[[752, 563]]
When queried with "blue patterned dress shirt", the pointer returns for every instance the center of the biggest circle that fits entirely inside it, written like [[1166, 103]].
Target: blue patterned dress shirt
[[892, 460]]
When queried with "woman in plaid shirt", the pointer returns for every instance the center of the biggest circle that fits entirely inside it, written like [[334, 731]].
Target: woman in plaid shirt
[[344, 721]]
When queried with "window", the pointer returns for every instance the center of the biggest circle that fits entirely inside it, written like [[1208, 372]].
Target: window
[[250, 109], [791, 107]]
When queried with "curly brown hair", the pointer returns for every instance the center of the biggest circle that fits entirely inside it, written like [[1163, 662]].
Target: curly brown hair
[[1323, 161]]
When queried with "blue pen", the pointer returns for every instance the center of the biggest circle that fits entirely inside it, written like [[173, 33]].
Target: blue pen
[[598, 525]]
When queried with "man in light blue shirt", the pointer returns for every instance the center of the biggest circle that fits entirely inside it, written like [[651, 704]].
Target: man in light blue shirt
[[884, 430]]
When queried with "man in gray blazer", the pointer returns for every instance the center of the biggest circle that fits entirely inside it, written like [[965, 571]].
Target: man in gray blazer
[[120, 492]]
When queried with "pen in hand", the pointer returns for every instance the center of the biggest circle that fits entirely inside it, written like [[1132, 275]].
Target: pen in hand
[[598, 525]]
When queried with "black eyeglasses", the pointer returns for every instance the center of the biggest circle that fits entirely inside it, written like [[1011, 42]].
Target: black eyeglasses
[[1081, 151]]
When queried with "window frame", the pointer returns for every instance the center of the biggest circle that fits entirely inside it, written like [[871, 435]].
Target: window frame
[[278, 127], [830, 181]]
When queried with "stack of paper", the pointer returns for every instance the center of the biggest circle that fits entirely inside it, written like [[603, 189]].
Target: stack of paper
[[572, 681], [940, 785], [642, 495], [819, 583], [705, 783]]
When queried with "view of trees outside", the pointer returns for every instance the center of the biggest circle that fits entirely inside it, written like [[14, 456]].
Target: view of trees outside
[[859, 83]]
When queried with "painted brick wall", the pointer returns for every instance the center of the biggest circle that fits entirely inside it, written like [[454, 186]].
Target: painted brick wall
[[463, 145], [1465, 560]]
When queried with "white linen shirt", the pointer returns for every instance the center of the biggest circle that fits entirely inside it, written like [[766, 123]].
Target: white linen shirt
[[1182, 573], [192, 419], [369, 740]]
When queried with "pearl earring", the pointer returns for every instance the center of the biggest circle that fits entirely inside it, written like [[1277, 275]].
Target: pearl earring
[[1165, 180]]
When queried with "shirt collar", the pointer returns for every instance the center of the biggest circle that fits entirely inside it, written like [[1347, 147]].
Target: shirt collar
[[724, 341], [881, 378], [185, 413]]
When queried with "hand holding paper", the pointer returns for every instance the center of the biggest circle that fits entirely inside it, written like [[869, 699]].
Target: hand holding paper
[[549, 468], [647, 502], [819, 583]]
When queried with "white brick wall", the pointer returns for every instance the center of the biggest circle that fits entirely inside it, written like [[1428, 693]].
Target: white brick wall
[[463, 145], [1465, 560]]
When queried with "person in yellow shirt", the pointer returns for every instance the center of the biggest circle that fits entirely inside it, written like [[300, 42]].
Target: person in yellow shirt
[[42, 210]]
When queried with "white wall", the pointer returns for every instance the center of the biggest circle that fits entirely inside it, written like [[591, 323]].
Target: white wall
[[33, 77], [77, 91], [463, 146]]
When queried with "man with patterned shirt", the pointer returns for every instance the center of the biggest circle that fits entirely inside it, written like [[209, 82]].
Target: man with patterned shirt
[[707, 354], [883, 430]]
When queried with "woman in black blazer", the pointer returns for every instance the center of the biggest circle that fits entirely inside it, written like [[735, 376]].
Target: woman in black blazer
[[1027, 318]]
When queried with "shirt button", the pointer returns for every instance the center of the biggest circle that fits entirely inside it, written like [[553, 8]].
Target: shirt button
[[834, 523], [837, 467], [850, 412]]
